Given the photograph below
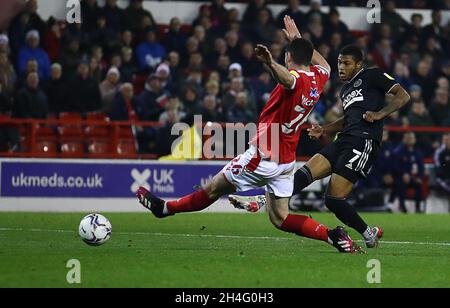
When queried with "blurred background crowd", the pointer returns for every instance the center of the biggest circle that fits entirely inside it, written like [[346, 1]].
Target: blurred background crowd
[[122, 63]]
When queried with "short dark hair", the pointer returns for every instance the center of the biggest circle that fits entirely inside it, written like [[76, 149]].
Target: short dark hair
[[354, 51], [301, 51]]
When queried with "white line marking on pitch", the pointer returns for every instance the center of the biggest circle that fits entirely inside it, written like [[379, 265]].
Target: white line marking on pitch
[[216, 236]]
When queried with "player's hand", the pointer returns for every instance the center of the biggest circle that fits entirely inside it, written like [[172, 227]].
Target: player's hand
[[291, 31], [263, 54], [315, 131], [371, 116]]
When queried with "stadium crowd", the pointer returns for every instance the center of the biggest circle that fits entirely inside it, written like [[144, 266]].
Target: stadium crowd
[[122, 63]]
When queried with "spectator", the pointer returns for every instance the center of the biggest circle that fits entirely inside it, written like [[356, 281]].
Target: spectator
[[114, 15], [70, 57], [442, 164], [9, 135], [83, 92], [128, 68], [440, 107], [250, 66], [109, 89], [31, 102], [174, 39], [173, 105], [219, 13], [32, 51], [151, 102], [263, 30], [402, 75], [240, 111], [4, 44], [150, 53], [262, 87], [210, 110], [251, 12], [395, 21], [212, 88], [174, 65], [190, 100], [315, 9], [89, 13], [164, 137], [233, 47], [419, 116], [292, 10], [384, 55], [102, 35], [336, 112], [35, 21], [423, 77], [334, 22], [124, 105], [135, 14], [52, 40], [8, 75], [434, 29], [56, 89], [409, 171], [415, 28]]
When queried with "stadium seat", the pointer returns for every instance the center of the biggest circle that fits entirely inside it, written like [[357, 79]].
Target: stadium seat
[[97, 131], [96, 148], [46, 148], [70, 132], [72, 149], [126, 133], [70, 116], [97, 116], [139, 83], [126, 147]]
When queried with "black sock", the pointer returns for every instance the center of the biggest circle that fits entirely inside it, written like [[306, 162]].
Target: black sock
[[302, 179], [346, 213]]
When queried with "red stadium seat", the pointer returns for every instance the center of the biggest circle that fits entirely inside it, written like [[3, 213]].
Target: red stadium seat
[[70, 116], [126, 133], [139, 83], [70, 132], [99, 147], [46, 148], [97, 116], [45, 132], [126, 147], [97, 131], [72, 149]]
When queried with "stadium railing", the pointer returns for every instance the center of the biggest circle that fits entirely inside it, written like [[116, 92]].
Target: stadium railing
[[94, 138]]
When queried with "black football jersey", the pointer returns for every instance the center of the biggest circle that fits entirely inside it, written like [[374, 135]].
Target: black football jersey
[[365, 92]]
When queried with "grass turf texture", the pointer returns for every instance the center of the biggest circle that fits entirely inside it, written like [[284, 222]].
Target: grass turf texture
[[216, 250]]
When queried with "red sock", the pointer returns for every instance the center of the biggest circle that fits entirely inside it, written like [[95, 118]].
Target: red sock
[[306, 227], [192, 203]]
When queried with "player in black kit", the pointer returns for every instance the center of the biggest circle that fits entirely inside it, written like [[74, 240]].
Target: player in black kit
[[359, 133]]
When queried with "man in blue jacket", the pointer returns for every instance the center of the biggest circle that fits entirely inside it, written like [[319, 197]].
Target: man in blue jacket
[[32, 52]]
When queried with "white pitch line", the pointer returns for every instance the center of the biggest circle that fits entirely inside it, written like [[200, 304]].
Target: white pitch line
[[215, 236]]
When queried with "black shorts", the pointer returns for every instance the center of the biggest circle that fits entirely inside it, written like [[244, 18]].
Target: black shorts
[[351, 157]]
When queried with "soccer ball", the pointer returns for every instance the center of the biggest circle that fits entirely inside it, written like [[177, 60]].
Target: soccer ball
[[95, 229]]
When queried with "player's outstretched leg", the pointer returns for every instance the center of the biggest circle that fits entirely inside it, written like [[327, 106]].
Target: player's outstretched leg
[[307, 227], [316, 168], [194, 202], [336, 201]]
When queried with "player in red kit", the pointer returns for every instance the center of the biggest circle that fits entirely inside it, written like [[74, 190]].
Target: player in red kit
[[270, 160]]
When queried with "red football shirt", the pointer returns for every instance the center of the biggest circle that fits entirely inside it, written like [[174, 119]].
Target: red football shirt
[[285, 112]]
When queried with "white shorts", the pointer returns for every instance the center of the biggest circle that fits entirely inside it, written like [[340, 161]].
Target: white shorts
[[249, 171]]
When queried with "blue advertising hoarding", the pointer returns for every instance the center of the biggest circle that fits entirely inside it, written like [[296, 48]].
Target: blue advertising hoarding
[[101, 179]]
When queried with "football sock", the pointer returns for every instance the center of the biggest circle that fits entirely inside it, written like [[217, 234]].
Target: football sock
[[306, 227], [194, 202], [302, 179], [346, 213]]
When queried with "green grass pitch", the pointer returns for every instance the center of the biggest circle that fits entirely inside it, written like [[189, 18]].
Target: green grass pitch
[[217, 250]]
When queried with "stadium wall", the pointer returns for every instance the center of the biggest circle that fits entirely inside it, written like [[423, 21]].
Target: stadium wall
[[355, 18]]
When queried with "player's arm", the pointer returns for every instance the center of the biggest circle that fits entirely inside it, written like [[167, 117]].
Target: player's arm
[[291, 31], [279, 72], [316, 131], [400, 99]]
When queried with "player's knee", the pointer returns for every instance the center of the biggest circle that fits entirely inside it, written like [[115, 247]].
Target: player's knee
[[277, 218]]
